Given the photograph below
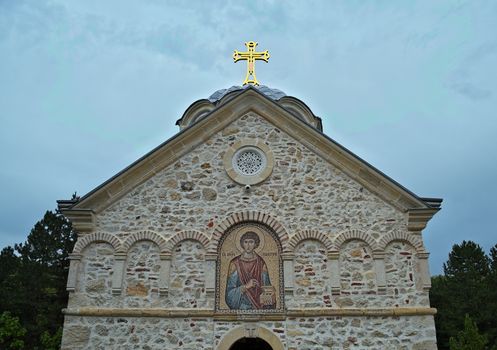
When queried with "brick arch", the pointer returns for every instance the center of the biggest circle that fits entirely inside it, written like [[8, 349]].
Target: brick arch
[[144, 236], [403, 237], [187, 235], [247, 216], [350, 235], [310, 234], [97, 237]]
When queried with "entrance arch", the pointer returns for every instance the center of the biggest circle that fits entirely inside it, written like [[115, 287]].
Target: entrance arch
[[250, 331], [250, 344]]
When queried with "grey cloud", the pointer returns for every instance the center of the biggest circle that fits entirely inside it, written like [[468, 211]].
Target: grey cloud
[[462, 80], [471, 91], [482, 51]]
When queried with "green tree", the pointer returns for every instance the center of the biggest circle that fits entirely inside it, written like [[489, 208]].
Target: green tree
[[35, 285], [51, 342], [489, 325], [469, 338], [11, 332], [462, 290], [49, 243], [10, 266]]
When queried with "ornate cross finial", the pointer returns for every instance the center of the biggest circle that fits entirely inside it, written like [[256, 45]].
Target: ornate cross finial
[[250, 56]]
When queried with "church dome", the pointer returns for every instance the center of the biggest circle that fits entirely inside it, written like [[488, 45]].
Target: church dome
[[273, 94], [203, 107]]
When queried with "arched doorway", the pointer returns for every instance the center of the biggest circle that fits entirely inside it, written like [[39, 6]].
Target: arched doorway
[[251, 344], [252, 336]]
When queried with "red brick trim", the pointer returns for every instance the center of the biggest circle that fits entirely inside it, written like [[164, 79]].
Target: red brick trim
[[403, 237], [96, 237], [301, 236], [187, 235], [350, 235], [144, 236], [245, 216]]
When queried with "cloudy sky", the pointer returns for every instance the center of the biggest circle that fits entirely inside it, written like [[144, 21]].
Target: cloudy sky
[[87, 87]]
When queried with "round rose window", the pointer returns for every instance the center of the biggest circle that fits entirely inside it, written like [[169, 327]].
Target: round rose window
[[249, 161]]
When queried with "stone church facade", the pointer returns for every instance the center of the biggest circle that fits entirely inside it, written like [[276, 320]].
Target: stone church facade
[[250, 227]]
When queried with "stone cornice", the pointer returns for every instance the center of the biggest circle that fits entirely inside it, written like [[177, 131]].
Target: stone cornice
[[83, 220], [380, 312], [181, 313], [246, 102], [418, 218]]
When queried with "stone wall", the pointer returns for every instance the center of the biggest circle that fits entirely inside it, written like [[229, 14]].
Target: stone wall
[[303, 191], [402, 333], [317, 333], [141, 282], [357, 275], [311, 276], [187, 286], [136, 333], [404, 287], [95, 271]]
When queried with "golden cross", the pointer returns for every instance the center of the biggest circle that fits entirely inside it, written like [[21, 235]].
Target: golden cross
[[250, 56]]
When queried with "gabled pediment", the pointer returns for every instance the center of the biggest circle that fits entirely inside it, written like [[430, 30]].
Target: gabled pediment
[[207, 121]]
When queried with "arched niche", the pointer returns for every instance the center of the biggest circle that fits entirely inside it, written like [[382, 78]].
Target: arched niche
[[249, 270], [141, 278], [311, 274], [94, 282], [357, 269], [187, 281], [402, 273]]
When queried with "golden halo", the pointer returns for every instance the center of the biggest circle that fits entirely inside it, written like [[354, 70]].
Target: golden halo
[[242, 230]]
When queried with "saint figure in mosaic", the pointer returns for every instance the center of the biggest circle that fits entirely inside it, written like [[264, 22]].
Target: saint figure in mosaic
[[248, 286]]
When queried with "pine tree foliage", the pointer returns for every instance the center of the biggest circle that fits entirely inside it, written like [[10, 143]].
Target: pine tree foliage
[[49, 242], [51, 341], [468, 286], [469, 338], [11, 332], [490, 322], [33, 277]]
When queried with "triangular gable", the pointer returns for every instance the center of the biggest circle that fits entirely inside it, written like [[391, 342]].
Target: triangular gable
[[250, 100]]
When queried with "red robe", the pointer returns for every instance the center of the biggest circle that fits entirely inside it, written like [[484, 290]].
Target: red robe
[[251, 269]]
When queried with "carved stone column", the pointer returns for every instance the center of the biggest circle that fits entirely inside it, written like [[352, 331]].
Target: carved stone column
[[164, 274], [334, 271], [73, 272], [288, 272], [379, 265], [210, 275], [424, 270], [117, 276]]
